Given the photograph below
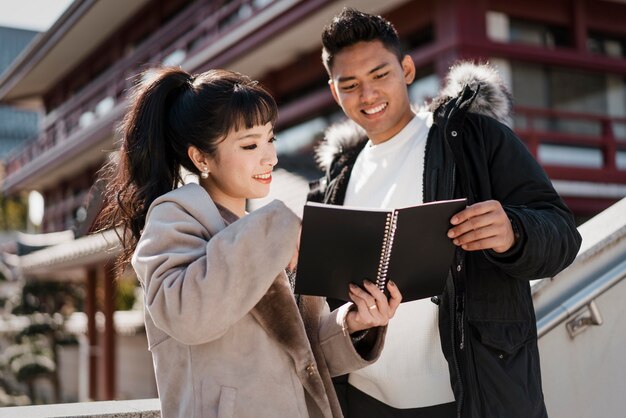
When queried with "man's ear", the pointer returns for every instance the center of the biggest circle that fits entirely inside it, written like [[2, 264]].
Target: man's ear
[[408, 68], [333, 91]]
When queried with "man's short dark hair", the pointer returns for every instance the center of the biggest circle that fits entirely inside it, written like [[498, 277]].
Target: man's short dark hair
[[352, 26]]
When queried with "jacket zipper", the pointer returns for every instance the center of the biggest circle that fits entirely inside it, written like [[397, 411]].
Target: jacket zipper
[[460, 303], [454, 304], [454, 323]]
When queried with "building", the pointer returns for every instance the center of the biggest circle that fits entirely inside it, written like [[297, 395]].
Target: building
[[565, 61], [16, 125]]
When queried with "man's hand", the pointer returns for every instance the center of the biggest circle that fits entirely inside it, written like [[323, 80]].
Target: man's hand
[[482, 226]]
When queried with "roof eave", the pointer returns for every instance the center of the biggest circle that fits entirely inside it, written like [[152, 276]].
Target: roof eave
[[39, 48]]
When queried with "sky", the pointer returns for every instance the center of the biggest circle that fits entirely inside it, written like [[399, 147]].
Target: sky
[[36, 15]]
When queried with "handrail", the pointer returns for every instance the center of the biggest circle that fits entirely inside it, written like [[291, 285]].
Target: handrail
[[580, 299]]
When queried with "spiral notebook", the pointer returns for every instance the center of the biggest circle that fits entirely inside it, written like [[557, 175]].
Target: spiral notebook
[[341, 245]]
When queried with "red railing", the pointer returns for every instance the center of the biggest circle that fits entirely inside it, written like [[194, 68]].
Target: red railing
[[597, 135], [190, 31]]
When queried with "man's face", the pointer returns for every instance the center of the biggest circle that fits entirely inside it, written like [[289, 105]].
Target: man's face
[[370, 85]]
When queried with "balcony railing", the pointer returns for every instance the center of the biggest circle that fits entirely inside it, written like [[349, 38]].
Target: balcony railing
[[195, 27], [575, 146]]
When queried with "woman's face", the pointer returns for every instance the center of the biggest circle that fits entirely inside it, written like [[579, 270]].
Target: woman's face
[[241, 168]]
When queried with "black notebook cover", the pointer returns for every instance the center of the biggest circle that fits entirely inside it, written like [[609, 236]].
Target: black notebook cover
[[341, 244]]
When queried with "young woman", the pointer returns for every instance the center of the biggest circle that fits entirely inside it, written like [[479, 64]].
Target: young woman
[[226, 334]]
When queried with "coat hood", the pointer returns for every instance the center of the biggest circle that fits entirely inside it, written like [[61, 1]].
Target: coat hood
[[493, 99]]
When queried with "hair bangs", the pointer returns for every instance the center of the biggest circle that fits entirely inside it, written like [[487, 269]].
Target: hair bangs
[[250, 106]]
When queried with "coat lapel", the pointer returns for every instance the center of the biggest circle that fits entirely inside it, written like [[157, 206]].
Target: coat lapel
[[278, 314]]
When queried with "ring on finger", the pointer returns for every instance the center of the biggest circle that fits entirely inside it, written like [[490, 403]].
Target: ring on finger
[[372, 307]]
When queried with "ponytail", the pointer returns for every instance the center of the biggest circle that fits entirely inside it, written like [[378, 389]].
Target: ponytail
[[146, 165]]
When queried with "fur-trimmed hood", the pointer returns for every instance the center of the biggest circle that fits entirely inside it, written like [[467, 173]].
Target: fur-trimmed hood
[[493, 99]]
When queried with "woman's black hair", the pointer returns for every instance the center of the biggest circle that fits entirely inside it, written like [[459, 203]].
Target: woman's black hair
[[169, 112]]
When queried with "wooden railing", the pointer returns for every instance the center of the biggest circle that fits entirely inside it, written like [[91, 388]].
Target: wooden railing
[[599, 135], [195, 27]]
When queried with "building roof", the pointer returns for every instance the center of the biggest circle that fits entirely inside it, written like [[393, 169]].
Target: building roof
[[67, 261], [29, 243], [86, 24], [80, 29], [127, 323]]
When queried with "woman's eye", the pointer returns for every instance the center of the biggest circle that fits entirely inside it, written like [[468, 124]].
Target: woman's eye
[[273, 139], [249, 147]]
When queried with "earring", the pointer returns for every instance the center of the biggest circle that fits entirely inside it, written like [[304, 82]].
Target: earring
[[205, 173]]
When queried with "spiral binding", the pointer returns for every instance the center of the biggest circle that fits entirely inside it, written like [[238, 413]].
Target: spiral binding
[[385, 253]]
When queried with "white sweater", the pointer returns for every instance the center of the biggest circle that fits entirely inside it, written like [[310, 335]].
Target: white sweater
[[411, 371]]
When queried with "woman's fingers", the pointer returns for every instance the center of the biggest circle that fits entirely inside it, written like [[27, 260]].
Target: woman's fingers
[[373, 308], [395, 298], [378, 306], [380, 300], [363, 314]]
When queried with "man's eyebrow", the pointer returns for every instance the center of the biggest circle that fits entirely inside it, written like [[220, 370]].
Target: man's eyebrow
[[373, 70]]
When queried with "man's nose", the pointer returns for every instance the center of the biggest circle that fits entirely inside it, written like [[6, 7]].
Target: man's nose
[[368, 93]]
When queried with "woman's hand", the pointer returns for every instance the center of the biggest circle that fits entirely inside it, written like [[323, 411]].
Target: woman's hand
[[373, 308]]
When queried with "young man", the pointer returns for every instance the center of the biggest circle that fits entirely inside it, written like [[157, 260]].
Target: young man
[[472, 351]]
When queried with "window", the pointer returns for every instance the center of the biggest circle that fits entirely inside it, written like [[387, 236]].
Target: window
[[612, 46], [540, 34], [503, 28], [574, 91], [568, 90]]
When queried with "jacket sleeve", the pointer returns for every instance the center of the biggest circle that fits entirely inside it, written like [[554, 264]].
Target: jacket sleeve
[[339, 351], [548, 233], [196, 287]]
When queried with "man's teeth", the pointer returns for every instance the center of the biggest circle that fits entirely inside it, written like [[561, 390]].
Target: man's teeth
[[263, 176], [375, 109]]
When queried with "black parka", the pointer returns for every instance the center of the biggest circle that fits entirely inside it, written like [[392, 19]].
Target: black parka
[[487, 322]]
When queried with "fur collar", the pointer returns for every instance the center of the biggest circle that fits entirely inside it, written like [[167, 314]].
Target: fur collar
[[493, 99]]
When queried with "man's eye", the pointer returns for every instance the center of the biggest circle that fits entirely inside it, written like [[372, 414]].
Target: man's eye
[[348, 87], [249, 147], [382, 75]]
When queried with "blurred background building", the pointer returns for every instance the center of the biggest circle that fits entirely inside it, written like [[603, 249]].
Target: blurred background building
[[564, 61], [16, 125]]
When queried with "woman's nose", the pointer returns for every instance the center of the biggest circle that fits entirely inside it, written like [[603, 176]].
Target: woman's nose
[[270, 157]]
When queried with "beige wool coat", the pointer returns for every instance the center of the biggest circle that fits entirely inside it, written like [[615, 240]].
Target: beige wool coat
[[226, 335]]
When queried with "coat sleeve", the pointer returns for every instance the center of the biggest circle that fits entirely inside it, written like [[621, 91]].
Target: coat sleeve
[[550, 240], [339, 351], [196, 287]]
